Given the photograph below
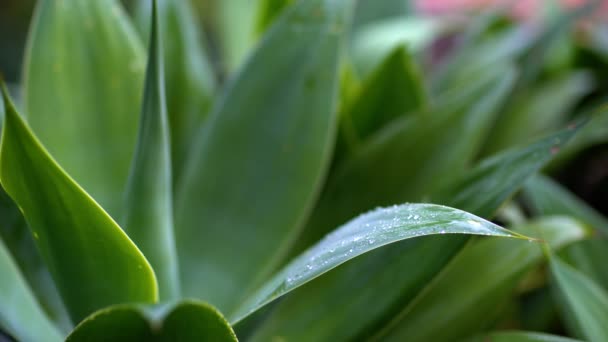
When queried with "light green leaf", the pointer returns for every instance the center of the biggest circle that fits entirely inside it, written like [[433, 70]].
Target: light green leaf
[[521, 336], [83, 77], [256, 169], [375, 40], [585, 304], [411, 157], [184, 321], [480, 280], [20, 314], [149, 213], [268, 11], [382, 271], [547, 197], [92, 261], [395, 88], [361, 235], [189, 76], [237, 28]]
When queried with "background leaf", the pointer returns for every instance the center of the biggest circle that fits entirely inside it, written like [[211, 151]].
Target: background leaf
[[20, 314], [83, 78], [93, 262]]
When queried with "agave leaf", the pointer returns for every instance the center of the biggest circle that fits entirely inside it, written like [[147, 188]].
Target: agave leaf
[[542, 109], [83, 77], [236, 28], [92, 261], [183, 321], [149, 214], [417, 154], [520, 336], [481, 280], [20, 243], [20, 314], [382, 271], [546, 197], [393, 89], [584, 303], [268, 135], [377, 39], [361, 235], [188, 73]]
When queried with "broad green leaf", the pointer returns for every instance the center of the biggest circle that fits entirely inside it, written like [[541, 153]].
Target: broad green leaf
[[480, 280], [20, 243], [149, 213], [188, 73], [542, 109], [256, 169], [184, 321], [83, 75], [236, 26], [377, 39], [361, 235], [585, 304], [506, 170], [377, 10], [589, 257], [393, 89], [411, 157], [520, 336], [547, 197], [92, 261], [20, 314], [382, 271]]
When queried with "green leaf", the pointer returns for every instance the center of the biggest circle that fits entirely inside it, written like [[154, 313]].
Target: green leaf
[[270, 134], [395, 88], [236, 28], [481, 281], [546, 197], [498, 175], [188, 73], [382, 271], [268, 11], [149, 213], [184, 321], [542, 109], [92, 261], [411, 157], [361, 235], [585, 304], [374, 41], [20, 314], [521, 336], [83, 77]]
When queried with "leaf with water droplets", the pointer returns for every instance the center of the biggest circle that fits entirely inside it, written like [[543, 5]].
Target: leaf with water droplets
[[364, 234]]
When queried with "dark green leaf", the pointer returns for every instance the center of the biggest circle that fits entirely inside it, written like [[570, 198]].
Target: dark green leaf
[[84, 71], [521, 336], [585, 304], [149, 214], [470, 292], [184, 321], [256, 169], [20, 314], [361, 235], [268, 11], [93, 262]]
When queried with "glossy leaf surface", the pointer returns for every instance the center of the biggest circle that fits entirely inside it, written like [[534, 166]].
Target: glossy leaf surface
[[255, 170], [149, 204], [84, 72], [20, 314], [364, 234], [184, 321], [92, 261]]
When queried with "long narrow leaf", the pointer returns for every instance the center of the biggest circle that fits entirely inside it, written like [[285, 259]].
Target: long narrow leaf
[[93, 262], [149, 214]]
